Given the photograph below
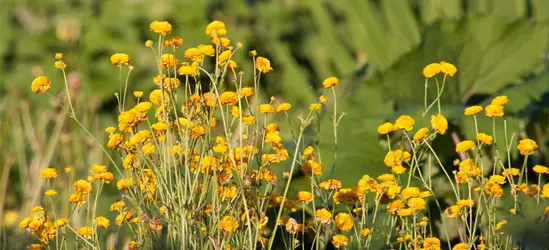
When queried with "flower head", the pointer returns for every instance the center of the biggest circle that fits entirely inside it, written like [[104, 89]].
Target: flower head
[[48, 173], [432, 70], [527, 146], [500, 100], [340, 240], [494, 110], [216, 28], [161, 27], [343, 222], [385, 128], [405, 122], [330, 82], [448, 68], [263, 64], [439, 123], [229, 224], [464, 146], [40, 84], [484, 138], [120, 59], [473, 110]]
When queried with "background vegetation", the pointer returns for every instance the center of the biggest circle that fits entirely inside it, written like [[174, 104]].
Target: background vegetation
[[378, 48]]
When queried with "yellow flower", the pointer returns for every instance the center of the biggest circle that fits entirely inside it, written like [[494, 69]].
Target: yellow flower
[[461, 246], [68, 170], [168, 60], [500, 100], [466, 203], [114, 141], [123, 217], [216, 28], [365, 232], [148, 43], [494, 110], [315, 106], [398, 169], [394, 206], [161, 27], [263, 64], [323, 99], [304, 196], [133, 245], [120, 59], [58, 56], [385, 128], [229, 98], [497, 179], [343, 222], [453, 211], [34, 247], [125, 183], [500, 224], [283, 107], [311, 167], [40, 84], [464, 146], [48, 173], [410, 192], [330, 82], [541, 169], [102, 222], [448, 68], [511, 171], [527, 146], [404, 122], [60, 64], [82, 187], [545, 192], [156, 97], [417, 204], [323, 216], [348, 196], [266, 108], [223, 42], [484, 138], [403, 212], [247, 92], [395, 158], [425, 194], [431, 243], [86, 232], [174, 42], [432, 69], [50, 193], [330, 184], [340, 240], [138, 94], [61, 222], [228, 223], [189, 70], [473, 110], [207, 50], [118, 205], [420, 134], [439, 123]]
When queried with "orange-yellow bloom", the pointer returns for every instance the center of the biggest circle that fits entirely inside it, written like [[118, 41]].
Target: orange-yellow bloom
[[439, 123], [263, 64], [161, 27], [432, 70], [330, 81], [40, 84]]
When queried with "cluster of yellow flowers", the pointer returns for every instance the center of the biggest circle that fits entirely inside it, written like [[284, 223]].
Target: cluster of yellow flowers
[[200, 155]]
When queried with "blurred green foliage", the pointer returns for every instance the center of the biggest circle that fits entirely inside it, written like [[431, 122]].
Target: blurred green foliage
[[377, 47]]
